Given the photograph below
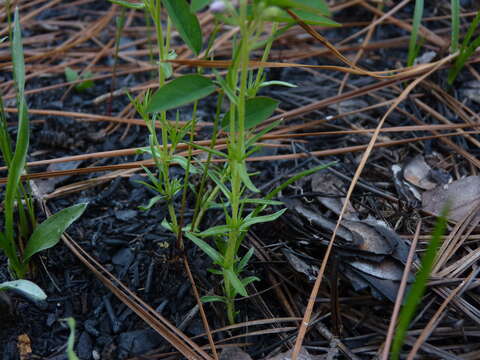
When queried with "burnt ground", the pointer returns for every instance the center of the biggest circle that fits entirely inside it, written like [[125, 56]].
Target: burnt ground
[[137, 250]]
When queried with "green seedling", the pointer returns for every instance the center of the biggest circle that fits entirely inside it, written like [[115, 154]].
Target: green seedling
[[467, 48], [73, 75], [30, 236], [232, 188], [415, 295], [71, 339], [413, 45]]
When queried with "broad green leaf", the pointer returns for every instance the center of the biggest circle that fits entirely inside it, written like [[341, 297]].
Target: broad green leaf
[[128, 4], [186, 23], [246, 258], [70, 74], [48, 233], [215, 230], [249, 221], [207, 249], [212, 298], [314, 6], [197, 5], [25, 288], [181, 91], [236, 282], [71, 339], [257, 110]]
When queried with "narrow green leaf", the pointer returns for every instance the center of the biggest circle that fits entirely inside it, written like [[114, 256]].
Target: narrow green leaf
[[215, 271], [242, 170], [181, 91], [417, 19], [277, 83], [306, 16], [2, 240], [197, 5], [261, 202], [128, 4], [186, 23], [220, 184], [244, 262], [21, 148], [25, 288], [249, 280], [48, 233], [417, 290], [71, 339], [212, 298], [455, 4], [297, 177], [209, 150], [317, 6], [183, 162], [207, 249], [17, 55], [151, 202], [236, 282], [215, 230], [249, 221], [257, 110]]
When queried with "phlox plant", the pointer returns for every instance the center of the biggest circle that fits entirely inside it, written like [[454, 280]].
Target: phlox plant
[[233, 189], [21, 241]]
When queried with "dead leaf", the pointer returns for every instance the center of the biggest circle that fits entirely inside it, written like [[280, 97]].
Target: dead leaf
[[24, 346], [327, 183], [300, 265], [463, 195], [417, 172]]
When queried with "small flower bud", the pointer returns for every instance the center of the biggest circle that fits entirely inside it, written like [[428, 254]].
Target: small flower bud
[[218, 6]]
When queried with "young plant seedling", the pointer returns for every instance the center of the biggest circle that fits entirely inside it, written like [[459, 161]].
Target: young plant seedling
[[232, 187], [73, 75], [34, 237]]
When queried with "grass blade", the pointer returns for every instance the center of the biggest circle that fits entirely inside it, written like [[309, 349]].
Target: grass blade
[[417, 19], [455, 25], [418, 288], [19, 157]]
